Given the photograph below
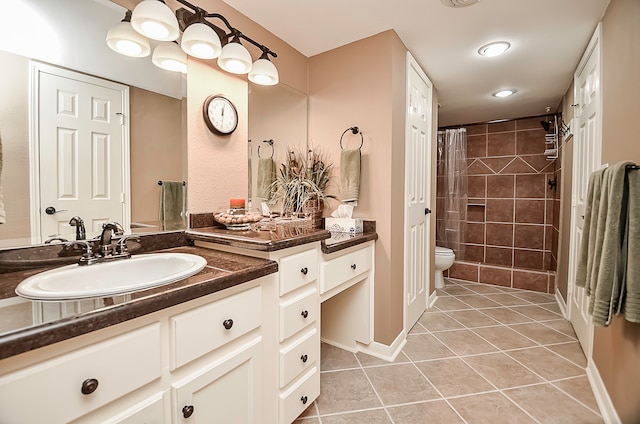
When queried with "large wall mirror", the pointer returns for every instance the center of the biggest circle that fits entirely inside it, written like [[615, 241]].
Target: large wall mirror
[[70, 35], [277, 124]]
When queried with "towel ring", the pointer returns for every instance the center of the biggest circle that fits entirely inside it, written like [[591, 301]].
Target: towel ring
[[270, 143], [354, 130]]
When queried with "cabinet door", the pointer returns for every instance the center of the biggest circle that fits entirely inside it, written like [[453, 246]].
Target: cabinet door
[[226, 391]]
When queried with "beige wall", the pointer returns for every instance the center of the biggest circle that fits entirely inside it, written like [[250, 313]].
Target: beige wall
[[616, 349], [362, 84], [157, 144], [14, 132]]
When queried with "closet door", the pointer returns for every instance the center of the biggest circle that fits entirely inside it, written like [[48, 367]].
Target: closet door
[[587, 141], [417, 254]]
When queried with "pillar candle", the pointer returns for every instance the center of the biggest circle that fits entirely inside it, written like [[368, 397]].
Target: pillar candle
[[236, 203]]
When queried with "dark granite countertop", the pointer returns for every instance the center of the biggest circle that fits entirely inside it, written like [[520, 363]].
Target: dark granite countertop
[[19, 333], [340, 241], [204, 228], [266, 241]]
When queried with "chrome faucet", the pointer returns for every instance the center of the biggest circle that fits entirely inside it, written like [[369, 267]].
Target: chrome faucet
[[81, 232], [109, 229], [106, 252]]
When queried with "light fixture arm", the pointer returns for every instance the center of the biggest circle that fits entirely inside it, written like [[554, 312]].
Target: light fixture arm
[[185, 18]]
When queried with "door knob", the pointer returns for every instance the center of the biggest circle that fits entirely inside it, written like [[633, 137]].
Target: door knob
[[427, 211], [52, 211]]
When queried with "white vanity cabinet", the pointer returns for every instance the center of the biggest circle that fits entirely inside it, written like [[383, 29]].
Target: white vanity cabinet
[[196, 362], [227, 388], [292, 349], [346, 293], [64, 388]]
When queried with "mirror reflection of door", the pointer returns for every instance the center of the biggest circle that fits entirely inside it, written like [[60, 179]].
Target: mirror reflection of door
[[82, 143]]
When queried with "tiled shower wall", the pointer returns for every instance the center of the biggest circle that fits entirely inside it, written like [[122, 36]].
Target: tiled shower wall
[[512, 212]]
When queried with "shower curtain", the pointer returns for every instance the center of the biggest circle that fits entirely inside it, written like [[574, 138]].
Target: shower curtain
[[452, 168]]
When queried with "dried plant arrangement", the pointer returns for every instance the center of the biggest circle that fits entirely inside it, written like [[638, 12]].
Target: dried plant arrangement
[[302, 179]]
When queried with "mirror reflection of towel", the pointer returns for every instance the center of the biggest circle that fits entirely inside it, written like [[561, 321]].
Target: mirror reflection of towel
[[350, 163], [3, 215], [173, 202], [266, 177]]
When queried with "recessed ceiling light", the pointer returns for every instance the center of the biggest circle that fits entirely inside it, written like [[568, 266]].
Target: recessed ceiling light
[[504, 93], [494, 49]]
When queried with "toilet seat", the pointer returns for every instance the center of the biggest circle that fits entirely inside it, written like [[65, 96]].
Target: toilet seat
[[443, 251]]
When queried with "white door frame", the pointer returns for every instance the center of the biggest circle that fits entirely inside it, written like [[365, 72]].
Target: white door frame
[[411, 63], [593, 48], [35, 69]]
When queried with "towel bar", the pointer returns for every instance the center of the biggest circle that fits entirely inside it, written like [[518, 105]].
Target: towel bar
[[632, 167], [160, 182], [270, 143]]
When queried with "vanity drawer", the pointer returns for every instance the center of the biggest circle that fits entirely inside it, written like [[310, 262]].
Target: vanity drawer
[[202, 330], [64, 388], [298, 398], [299, 356], [298, 313], [298, 270], [336, 271]]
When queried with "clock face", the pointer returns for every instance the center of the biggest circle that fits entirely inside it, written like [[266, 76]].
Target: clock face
[[220, 115]]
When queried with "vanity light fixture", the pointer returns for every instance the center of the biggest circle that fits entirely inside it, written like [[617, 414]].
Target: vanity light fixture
[[235, 57], [123, 39], [169, 56], [200, 38], [494, 49], [154, 19], [264, 72], [504, 93]]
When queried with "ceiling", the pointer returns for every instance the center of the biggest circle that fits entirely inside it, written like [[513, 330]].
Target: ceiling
[[547, 40]]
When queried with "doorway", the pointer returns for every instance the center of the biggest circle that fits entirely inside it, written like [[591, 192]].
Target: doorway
[[79, 136]]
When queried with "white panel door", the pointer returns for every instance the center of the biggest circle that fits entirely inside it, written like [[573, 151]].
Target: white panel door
[[82, 151], [417, 191], [586, 159]]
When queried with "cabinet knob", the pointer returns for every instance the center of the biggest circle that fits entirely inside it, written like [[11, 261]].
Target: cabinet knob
[[304, 314], [304, 400], [228, 323], [187, 411], [353, 267], [304, 358], [89, 386], [304, 270]]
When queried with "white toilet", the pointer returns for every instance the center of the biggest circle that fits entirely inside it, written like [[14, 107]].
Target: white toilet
[[444, 260]]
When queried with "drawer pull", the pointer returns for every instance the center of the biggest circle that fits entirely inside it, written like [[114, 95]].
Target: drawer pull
[[304, 358], [187, 411], [228, 323], [353, 267], [89, 386], [304, 270], [304, 400], [304, 314]]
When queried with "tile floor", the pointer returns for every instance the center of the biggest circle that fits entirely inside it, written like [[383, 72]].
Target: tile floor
[[483, 354]]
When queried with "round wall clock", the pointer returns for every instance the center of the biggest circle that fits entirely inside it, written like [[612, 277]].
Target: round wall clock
[[220, 114]]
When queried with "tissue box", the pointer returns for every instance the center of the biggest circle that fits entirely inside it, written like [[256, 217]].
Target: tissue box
[[343, 225]]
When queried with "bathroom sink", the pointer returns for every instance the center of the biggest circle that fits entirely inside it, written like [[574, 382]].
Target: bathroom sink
[[110, 278]]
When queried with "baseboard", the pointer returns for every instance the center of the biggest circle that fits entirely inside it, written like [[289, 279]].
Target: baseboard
[[339, 345], [562, 304], [609, 414], [383, 351], [432, 299]]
